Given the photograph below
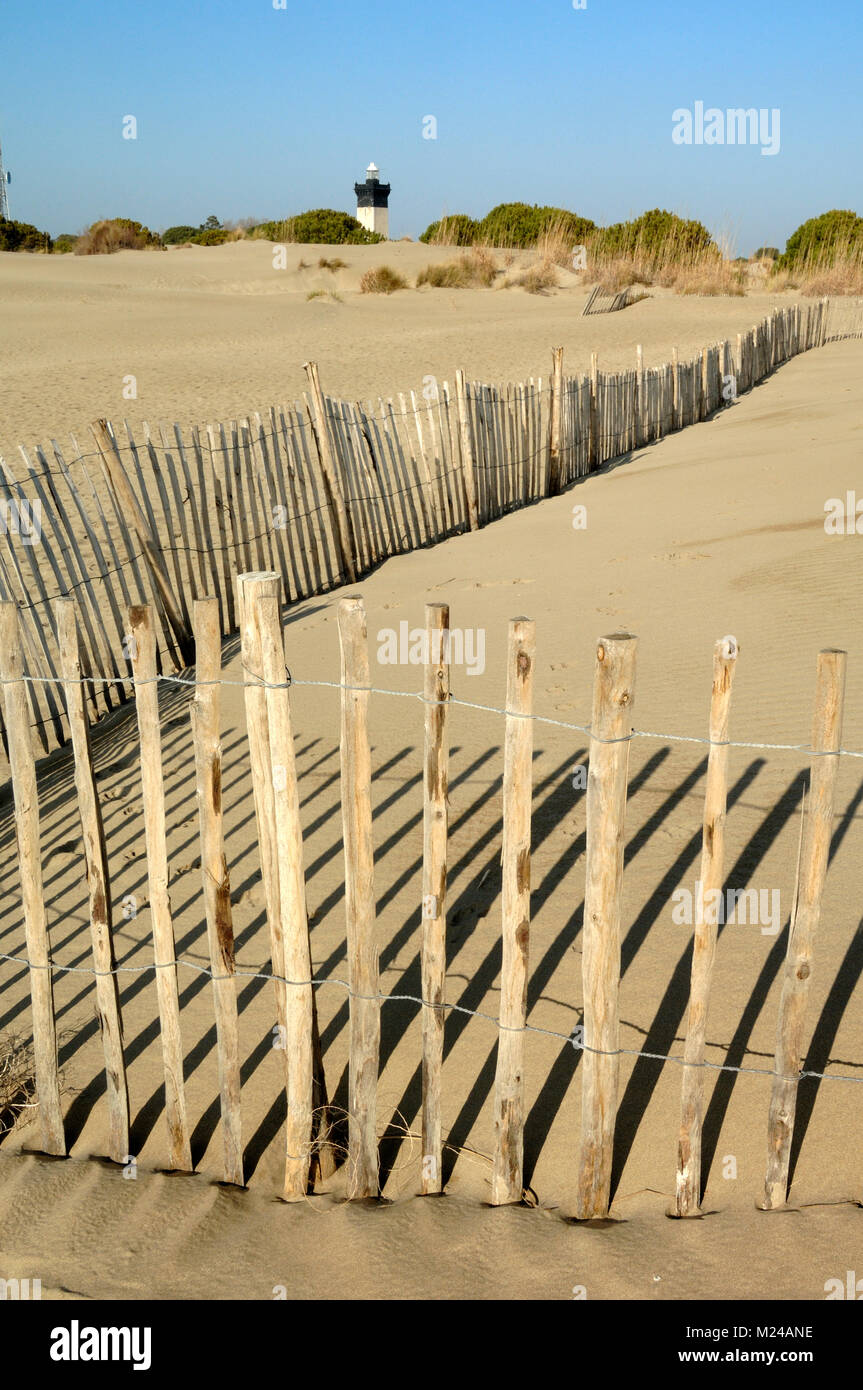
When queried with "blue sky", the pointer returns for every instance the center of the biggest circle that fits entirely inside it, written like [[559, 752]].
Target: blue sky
[[246, 110]]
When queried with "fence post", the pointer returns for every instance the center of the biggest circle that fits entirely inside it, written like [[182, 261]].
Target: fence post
[[611, 724], [675, 389], [25, 794], [143, 657], [204, 713], [814, 855], [640, 403], [365, 1009], [98, 884], [593, 445], [704, 937], [556, 399], [435, 784], [250, 587], [292, 901], [467, 454], [128, 507], [508, 1177], [331, 478]]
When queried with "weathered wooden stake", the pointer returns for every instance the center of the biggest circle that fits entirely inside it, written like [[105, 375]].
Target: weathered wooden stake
[[26, 799], [814, 856], [98, 885], [593, 415], [435, 783], [143, 655], [292, 902], [704, 940], [467, 454], [611, 725], [204, 712], [359, 899], [343, 525], [554, 414], [251, 589], [507, 1176]]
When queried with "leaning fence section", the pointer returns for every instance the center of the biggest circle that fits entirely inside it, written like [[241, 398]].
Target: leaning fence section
[[314, 1144], [322, 491]]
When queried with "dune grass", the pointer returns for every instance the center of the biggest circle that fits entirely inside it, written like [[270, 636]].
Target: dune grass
[[476, 269], [382, 280]]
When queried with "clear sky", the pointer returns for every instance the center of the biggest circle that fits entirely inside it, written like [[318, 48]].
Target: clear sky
[[245, 110]]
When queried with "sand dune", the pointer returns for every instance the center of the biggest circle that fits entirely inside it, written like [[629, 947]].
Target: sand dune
[[212, 333]]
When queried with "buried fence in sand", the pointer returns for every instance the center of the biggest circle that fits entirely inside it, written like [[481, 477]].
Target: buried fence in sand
[[313, 1134], [323, 492]]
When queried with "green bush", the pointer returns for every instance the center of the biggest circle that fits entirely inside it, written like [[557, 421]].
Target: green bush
[[211, 236], [766, 253], [522, 224], [175, 236], [21, 236], [654, 233], [455, 230], [820, 238], [64, 243], [322, 226]]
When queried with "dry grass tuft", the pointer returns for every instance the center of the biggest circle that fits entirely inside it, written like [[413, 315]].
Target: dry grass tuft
[[537, 279], [332, 295], [334, 263], [382, 280], [17, 1079], [476, 269]]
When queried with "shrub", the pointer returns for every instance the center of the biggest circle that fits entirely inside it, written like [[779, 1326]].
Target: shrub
[[457, 229], [766, 253], [323, 226], [820, 240], [334, 263], [522, 225], [382, 280], [21, 236], [213, 236], [657, 236], [175, 236], [65, 243], [115, 234]]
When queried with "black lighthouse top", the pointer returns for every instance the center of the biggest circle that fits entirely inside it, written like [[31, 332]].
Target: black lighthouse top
[[372, 193]]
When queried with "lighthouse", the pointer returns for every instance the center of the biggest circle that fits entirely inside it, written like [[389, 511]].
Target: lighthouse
[[372, 200]]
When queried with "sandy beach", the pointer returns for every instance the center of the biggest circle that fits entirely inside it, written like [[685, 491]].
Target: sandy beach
[[718, 529]]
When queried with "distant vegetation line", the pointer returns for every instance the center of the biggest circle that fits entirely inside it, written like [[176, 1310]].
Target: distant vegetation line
[[824, 255]]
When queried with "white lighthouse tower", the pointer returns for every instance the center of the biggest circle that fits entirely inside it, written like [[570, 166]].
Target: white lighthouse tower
[[372, 202]]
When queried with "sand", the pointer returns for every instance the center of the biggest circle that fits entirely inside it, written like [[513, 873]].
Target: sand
[[716, 530], [213, 333]]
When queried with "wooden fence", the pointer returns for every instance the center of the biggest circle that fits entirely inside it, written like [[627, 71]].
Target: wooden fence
[[309, 1150], [323, 491]]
